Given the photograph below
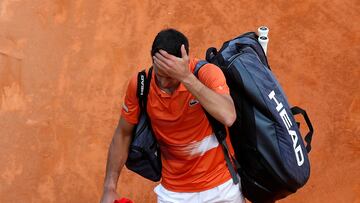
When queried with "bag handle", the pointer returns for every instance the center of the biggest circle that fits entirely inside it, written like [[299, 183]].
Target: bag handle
[[297, 110], [210, 53]]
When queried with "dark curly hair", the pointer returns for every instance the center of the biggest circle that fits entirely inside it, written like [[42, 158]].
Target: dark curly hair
[[170, 40]]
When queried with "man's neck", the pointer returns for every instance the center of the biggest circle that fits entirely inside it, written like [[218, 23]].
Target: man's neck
[[166, 90]]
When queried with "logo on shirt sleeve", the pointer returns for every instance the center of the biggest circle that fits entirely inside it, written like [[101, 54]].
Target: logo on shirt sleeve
[[193, 102], [126, 109]]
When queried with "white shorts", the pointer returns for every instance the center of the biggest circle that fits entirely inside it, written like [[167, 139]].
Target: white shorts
[[227, 192]]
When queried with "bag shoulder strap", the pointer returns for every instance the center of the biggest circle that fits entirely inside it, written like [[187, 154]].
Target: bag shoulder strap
[[220, 133], [143, 87], [198, 66]]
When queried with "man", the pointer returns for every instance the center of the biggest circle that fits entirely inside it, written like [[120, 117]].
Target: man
[[193, 163]]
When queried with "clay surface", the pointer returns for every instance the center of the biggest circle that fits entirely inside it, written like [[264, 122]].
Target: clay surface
[[64, 66]]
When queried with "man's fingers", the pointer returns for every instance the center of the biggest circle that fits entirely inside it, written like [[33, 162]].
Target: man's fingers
[[183, 52], [162, 58], [160, 64], [167, 55], [168, 62]]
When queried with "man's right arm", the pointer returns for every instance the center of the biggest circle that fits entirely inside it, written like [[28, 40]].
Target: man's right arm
[[117, 155]]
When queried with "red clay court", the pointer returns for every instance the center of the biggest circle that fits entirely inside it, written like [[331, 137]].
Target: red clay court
[[64, 66]]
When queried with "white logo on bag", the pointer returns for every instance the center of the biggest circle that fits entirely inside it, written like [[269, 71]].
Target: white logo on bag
[[285, 118], [193, 102], [142, 78]]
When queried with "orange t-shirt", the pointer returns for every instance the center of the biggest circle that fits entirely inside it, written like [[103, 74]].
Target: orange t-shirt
[[192, 158]]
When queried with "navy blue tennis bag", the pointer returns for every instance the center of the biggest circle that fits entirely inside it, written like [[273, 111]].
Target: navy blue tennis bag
[[144, 157], [270, 155]]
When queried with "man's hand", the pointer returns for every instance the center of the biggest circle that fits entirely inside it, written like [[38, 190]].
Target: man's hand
[[172, 66], [109, 196]]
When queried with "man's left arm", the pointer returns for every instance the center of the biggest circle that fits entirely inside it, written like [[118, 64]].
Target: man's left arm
[[220, 106]]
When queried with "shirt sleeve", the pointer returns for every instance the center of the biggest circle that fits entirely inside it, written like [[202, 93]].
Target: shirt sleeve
[[212, 76], [130, 109]]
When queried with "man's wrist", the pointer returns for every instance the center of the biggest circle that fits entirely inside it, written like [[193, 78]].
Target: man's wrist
[[187, 79], [192, 84], [109, 188], [110, 185]]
